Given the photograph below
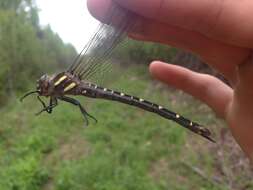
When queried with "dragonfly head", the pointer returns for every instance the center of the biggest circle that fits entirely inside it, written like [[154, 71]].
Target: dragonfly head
[[43, 88], [43, 85]]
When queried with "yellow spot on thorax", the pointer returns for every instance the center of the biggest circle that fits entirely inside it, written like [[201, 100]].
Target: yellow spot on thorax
[[70, 86], [60, 80]]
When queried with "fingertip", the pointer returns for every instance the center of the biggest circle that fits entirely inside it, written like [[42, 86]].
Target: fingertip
[[152, 68], [93, 8], [155, 67], [98, 8]]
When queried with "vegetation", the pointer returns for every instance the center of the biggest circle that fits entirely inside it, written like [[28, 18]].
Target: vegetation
[[127, 149], [26, 49], [140, 53]]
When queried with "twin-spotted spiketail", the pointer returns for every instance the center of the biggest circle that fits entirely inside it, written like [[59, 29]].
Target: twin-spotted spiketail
[[90, 62]]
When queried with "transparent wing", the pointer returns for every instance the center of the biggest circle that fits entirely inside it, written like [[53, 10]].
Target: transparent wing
[[93, 60]]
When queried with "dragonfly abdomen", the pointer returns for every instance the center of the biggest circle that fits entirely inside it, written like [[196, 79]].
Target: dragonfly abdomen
[[94, 91]]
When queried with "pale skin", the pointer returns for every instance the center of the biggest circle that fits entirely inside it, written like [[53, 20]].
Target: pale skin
[[218, 31]]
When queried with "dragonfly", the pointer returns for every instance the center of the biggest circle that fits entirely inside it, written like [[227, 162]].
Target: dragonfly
[[92, 62]]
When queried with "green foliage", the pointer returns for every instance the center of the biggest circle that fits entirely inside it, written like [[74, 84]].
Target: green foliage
[[26, 50], [127, 149], [103, 172], [143, 53], [26, 173]]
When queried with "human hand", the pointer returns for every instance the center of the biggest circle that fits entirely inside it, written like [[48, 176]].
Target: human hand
[[221, 33]]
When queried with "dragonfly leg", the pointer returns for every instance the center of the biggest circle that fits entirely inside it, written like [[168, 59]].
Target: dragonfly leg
[[77, 103], [41, 101], [53, 103]]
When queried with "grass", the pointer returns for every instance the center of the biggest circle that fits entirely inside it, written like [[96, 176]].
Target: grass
[[128, 149]]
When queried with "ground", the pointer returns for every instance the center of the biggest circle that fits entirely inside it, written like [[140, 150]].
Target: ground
[[127, 149]]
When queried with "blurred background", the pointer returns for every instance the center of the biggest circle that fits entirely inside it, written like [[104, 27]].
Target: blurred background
[[128, 148]]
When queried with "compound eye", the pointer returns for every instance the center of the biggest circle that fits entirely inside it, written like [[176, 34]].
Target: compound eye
[[43, 78]]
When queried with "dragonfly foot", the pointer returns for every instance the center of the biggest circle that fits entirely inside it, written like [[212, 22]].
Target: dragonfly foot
[[92, 117]]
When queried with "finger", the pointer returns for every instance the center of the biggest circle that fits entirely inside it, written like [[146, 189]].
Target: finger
[[223, 20], [204, 87], [98, 8]]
